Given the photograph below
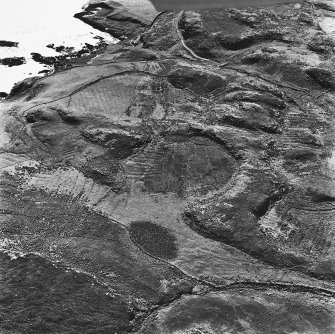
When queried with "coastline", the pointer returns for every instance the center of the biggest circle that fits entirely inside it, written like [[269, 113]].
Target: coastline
[[25, 39]]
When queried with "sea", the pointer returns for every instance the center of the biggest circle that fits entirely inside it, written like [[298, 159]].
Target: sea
[[34, 24]]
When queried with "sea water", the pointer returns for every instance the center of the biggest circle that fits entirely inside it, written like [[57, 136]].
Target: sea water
[[36, 23]]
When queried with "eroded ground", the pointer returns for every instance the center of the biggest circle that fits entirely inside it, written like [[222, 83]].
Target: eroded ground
[[180, 182]]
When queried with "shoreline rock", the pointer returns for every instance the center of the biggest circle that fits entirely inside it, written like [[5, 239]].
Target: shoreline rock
[[3, 95], [115, 19], [69, 56], [8, 44], [12, 61]]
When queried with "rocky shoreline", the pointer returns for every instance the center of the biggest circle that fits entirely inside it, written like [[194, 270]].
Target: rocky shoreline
[[73, 39], [111, 16], [180, 181], [9, 44], [12, 61]]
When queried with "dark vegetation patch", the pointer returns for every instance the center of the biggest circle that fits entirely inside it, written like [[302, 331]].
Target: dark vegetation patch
[[188, 164], [321, 43], [199, 82], [137, 54], [154, 239], [320, 194], [252, 17], [211, 33], [36, 115], [300, 155], [275, 65], [39, 297], [191, 24], [161, 34], [325, 270], [323, 77], [105, 170], [86, 240], [204, 46]]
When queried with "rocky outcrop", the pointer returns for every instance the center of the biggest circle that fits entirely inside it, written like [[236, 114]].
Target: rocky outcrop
[[43, 60], [115, 19], [23, 87], [69, 57], [8, 44], [12, 61], [184, 184]]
